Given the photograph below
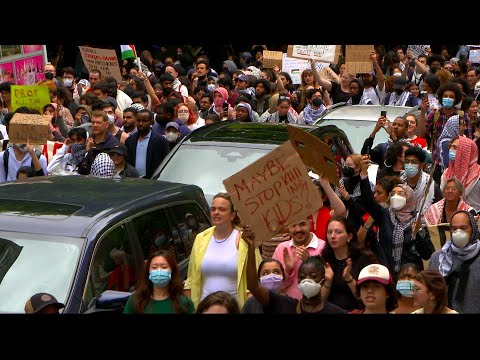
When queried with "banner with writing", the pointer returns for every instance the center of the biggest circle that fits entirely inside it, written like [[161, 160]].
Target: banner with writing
[[323, 53], [474, 56], [273, 192], [418, 49], [36, 97], [272, 58], [104, 60], [294, 67]]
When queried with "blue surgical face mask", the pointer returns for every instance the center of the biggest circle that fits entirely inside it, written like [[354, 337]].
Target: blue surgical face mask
[[451, 155], [160, 277], [447, 102], [411, 170], [405, 287]]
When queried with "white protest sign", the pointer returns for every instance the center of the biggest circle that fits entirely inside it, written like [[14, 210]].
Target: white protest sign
[[324, 53], [294, 67], [474, 56], [418, 49]]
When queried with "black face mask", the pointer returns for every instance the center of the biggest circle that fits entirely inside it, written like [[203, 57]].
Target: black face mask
[[203, 77], [347, 171], [398, 91], [317, 102], [49, 76]]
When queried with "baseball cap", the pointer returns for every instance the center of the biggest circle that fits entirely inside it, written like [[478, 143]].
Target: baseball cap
[[243, 77], [39, 301], [172, 124], [399, 82], [374, 272], [110, 101], [120, 149]]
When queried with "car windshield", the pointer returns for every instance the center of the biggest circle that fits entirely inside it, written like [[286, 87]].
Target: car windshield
[[357, 131], [32, 263], [208, 165]]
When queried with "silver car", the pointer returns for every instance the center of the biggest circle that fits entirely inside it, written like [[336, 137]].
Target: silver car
[[358, 121]]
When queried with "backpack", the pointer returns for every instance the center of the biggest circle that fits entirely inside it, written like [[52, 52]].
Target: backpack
[[6, 156]]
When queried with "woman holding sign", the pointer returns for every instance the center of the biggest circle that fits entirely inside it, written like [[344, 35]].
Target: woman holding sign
[[219, 254]]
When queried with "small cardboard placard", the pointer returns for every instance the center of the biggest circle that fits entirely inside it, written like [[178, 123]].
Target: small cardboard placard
[[315, 154], [273, 192], [29, 127], [357, 59], [323, 53], [104, 60], [272, 58], [329, 74]]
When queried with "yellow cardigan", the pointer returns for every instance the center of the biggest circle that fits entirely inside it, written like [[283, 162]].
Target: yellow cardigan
[[194, 280]]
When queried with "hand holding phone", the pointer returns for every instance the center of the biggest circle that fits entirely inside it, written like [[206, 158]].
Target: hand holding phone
[[225, 106], [383, 113]]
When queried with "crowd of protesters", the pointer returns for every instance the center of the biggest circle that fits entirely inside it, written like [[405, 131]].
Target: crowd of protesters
[[368, 250]]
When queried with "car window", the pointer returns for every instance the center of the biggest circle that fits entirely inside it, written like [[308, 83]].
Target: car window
[[33, 263], [112, 266], [191, 221], [155, 233]]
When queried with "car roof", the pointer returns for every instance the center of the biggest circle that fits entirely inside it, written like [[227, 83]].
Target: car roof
[[234, 131], [363, 112], [70, 205]]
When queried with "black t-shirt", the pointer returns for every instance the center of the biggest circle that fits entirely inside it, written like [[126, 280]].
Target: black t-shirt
[[328, 308], [337, 94], [279, 304]]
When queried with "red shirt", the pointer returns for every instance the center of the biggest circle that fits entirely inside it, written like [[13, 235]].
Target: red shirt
[[418, 141], [321, 222]]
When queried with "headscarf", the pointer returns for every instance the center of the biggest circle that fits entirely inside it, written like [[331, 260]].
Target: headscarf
[[103, 166], [249, 109], [231, 66], [401, 220], [224, 93], [255, 71], [464, 168], [450, 131], [449, 250], [310, 115], [433, 216], [78, 153]]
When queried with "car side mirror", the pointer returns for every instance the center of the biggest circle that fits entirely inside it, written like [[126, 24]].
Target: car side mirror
[[112, 300]]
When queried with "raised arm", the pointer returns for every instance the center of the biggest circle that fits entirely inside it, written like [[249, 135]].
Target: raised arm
[[336, 203], [326, 84], [378, 71]]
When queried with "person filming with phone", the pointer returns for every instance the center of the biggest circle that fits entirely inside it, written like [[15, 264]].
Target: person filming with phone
[[397, 131]]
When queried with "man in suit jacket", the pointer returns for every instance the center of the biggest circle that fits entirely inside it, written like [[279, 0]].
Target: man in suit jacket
[[146, 150]]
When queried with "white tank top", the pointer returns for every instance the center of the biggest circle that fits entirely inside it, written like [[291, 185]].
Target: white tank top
[[219, 266]]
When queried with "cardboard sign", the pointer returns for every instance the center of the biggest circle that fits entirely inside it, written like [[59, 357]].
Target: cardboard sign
[[35, 97], [272, 58], [29, 127], [439, 234], [418, 50], [273, 192], [104, 60], [294, 67], [474, 56], [324, 53], [329, 74], [315, 154], [357, 59]]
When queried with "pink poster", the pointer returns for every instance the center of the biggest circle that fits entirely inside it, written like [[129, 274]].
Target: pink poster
[[6, 73], [31, 48], [29, 71]]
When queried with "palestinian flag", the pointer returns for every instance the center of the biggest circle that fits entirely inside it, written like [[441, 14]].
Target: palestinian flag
[[128, 51]]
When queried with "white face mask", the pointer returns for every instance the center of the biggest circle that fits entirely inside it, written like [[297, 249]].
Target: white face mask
[[22, 147], [68, 83], [397, 202], [171, 136], [384, 205], [309, 288], [460, 238]]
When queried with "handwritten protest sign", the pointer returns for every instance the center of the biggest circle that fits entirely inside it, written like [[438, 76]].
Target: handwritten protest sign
[[357, 59], [35, 96], [315, 154], [272, 58], [324, 53], [104, 60], [418, 50], [33, 127], [294, 67], [474, 56], [329, 74], [273, 192]]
